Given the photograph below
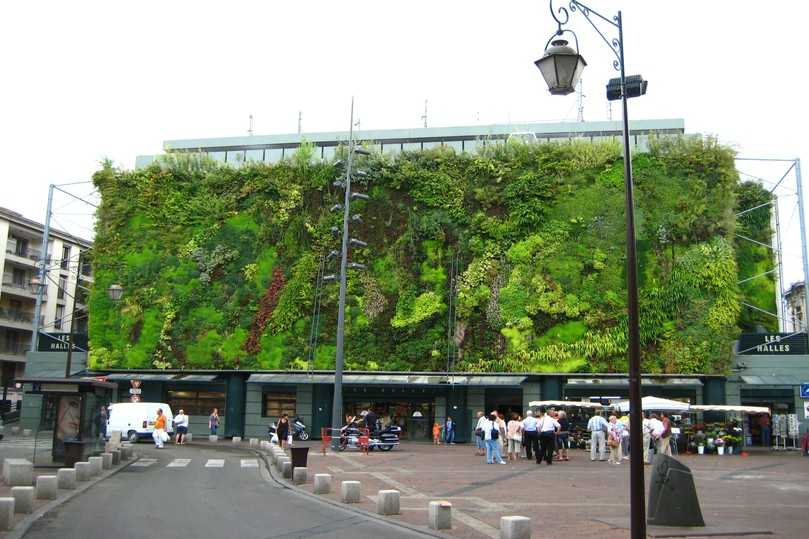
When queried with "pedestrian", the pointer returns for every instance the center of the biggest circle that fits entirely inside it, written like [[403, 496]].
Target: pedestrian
[[491, 433], [563, 437], [501, 424], [282, 430], [436, 433], [480, 446], [614, 433], [213, 421], [764, 425], [598, 432], [548, 427], [514, 437], [625, 437], [647, 438], [181, 422], [657, 431], [664, 443], [449, 431], [530, 435], [159, 433]]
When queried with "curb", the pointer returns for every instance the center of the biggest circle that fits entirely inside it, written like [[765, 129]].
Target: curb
[[25, 524], [407, 526]]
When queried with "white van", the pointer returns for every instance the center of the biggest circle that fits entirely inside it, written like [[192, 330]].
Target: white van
[[135, 420]]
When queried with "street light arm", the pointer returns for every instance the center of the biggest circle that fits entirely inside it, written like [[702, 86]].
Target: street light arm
[[615, 45]]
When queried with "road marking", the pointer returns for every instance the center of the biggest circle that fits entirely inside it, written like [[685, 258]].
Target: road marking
[[249, 463], [178, 463], [215, 463], [143, 463]]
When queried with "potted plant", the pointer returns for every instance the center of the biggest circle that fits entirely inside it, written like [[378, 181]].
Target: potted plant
[[699, 439], [719, 442]]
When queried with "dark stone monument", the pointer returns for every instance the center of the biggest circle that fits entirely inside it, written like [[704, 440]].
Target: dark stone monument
[[672, 495]]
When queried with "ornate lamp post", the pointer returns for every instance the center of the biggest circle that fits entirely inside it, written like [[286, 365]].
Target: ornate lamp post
[[561, 67]]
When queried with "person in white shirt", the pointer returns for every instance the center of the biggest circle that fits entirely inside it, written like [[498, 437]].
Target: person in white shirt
[[656, 430], [530, 435], [647, 437], [480, 444], [615, 432], [547, 426], [181, 422], [598, 431], [491, 434]]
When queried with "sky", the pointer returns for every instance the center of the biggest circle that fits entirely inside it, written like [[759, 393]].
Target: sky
[[90, 80]]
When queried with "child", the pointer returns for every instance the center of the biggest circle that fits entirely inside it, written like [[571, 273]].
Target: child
[[436, 434]]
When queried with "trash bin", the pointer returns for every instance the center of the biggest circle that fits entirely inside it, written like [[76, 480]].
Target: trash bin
[[74, 452], [299, 456]]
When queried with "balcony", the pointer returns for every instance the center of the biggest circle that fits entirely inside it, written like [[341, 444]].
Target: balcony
[[25, 257], [16, 318], [20, 290]]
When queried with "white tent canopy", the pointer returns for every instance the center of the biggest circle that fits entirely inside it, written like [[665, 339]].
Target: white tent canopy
[[729, 408], [655, 404], [564, 404]]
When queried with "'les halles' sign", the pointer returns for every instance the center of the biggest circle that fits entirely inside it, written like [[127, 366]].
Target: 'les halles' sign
[[773, 344]]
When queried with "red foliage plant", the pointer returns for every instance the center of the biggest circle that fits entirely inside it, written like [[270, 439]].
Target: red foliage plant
[[265, 308]]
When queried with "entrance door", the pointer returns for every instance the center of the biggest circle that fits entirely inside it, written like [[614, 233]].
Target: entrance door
[[456, 408]]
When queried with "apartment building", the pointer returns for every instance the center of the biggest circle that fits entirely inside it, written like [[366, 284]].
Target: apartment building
[[795, 299], [67, 277]]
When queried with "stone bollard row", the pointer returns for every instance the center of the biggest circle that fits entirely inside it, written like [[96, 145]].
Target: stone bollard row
[[299, 475], [26, 432], [213, 438], [387, 502], [440, 515], [6, 513], [253, 443], [350, 492], [66, 478], [106, 461], [237, 439], [286, 468], [126, 452], [322, 483], [515, 527], [18, 472], [188, 437], [23, 499], [96, 465], [84, 472], [15, 430], [47, 487], [116, 457]]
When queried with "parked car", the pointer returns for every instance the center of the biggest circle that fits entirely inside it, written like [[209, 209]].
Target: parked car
[[135, 420]]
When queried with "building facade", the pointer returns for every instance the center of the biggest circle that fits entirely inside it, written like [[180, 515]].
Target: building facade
[[273, 148], [795, 300], [67, 274]]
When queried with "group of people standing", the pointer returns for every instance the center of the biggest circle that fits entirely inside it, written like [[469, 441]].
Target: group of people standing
[[614, 433], [159, 434], [539, 436]]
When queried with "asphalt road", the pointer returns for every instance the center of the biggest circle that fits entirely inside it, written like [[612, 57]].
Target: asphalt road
[[214, 492]]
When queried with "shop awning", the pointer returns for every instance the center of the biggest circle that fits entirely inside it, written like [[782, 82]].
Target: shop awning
[[122, 377], [388, 379], [769, 380], [564, 404], [281, 378], [656, 404], [624, 382], [729, 408], [197, 378]]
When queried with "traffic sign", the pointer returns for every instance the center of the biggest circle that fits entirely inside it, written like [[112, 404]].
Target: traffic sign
[[805, 391]]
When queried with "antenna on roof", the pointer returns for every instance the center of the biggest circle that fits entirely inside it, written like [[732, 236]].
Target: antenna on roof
[[250, 129], [580, 99], [424, 116]]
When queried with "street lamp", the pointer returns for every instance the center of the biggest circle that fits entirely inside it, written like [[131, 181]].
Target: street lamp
[[561, 67]]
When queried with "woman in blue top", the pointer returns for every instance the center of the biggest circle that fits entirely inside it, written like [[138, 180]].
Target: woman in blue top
[[449, 431]]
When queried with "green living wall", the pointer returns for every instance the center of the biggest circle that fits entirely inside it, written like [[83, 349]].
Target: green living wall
[[219, 264]]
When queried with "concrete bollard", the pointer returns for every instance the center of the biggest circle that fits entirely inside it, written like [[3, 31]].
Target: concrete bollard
[[116, 457], [299, 475], [106, 461], [188, 437], [66, 478], [440, 515], [263, 446], [515, 527], [26, 433], [15, 430], [213, 438], [253, 443], [6, 513], [322, 483], [23, 499], [83, 471], [350, 492], [18, 472], [126, 453], [237, 439], [286, 469], [96, 465], [47, 487], [387, 502]]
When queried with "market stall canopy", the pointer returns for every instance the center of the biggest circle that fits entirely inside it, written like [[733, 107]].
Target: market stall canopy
[[729, 408], [656, 404], [564, 404]]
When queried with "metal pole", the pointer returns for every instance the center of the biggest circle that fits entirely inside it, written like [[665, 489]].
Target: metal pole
[[804, 256], [70, 339], [337, 402], [637, 487], [42, 269], [779, 276]]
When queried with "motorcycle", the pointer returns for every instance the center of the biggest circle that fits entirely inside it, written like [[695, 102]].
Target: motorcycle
[[296, 427], [384, 439]]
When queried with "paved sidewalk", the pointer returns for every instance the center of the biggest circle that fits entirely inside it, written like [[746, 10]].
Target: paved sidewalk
[[762, 491]]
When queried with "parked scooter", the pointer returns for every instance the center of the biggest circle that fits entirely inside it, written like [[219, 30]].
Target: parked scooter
[[297, 428], [384, 440]]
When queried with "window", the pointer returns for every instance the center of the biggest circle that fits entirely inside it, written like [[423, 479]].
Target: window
[[277, 402], [60, 313], [196, 402], [18, 277], [65, 257], [62, 287]]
